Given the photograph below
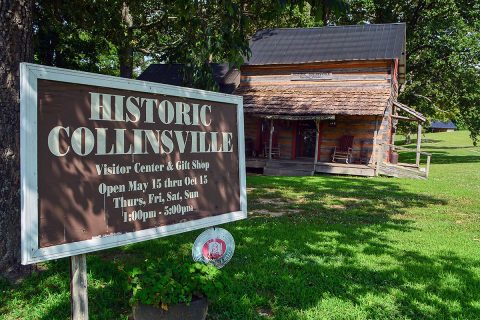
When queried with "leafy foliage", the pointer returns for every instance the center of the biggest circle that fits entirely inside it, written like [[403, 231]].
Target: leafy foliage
[[122, 37], [161, 283], [65, 37], [443, 54]]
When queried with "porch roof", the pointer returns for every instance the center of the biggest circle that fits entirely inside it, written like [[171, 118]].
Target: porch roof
[[313, 101], [417, 115]]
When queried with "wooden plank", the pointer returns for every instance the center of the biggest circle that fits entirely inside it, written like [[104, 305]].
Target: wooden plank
[[319, 65], [364, 84], [339, 70], [258, 137], [294, 139], [255, 163], [427, 169], [419, 142], [370, 125], [270, 140], [78, 287], [286, 172], [356, 136], [401, 172], [320, 138], [345, 170], [375, 154], [373, 71], [407, 149], [317, 139], [250, 127], [403, 118], [335, 77]]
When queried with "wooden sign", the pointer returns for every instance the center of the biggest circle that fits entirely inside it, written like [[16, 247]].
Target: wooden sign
[[312, 76], [107, 161]]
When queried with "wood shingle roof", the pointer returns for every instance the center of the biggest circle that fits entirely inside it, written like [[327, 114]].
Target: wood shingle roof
[[278, 101]]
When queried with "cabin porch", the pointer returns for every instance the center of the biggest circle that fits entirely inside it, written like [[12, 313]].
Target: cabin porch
[[307, 146], [307, 167]]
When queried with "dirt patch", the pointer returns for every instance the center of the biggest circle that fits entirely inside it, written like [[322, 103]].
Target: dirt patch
[[336, 206], [264, 190], [345, 203], [349, 199], [270, 190], [293, 211], [274, 201], [267, 213], [280, 201], [265, 312]]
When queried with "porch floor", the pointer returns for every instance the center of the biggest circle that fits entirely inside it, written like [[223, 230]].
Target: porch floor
[[305, 167]]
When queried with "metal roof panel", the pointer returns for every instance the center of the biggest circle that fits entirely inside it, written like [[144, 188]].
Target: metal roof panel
[[332, 43]]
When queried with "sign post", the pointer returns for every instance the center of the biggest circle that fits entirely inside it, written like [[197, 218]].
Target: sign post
[[108, 161], [78, 287]]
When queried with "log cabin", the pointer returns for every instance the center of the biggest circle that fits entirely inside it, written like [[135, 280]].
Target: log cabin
[[320, 100], [325, 100]]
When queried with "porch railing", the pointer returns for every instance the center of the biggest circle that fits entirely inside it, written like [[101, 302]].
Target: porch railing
[[418, 157]]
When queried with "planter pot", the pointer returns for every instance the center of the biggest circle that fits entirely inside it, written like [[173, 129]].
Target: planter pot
[[394, 157], [197, 310]]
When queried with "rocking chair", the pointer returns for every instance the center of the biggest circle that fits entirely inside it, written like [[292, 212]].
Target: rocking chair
[[343, 151]]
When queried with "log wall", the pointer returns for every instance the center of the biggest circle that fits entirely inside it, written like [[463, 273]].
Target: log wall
[[250, 126], [369, 131], [362, 128], [285, 138], [346, 74]]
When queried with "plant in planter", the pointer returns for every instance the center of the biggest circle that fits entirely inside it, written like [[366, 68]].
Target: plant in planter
[[166, 290]]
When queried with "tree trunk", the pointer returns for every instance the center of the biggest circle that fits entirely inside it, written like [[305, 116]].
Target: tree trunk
[[125, 56], [325, 14], [15, 47], [125, 51], [408, 137]]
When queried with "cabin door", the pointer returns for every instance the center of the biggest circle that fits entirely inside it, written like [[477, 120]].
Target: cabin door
[[306, 139]]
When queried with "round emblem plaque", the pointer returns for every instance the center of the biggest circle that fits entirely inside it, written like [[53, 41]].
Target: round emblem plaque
[[214, 246]]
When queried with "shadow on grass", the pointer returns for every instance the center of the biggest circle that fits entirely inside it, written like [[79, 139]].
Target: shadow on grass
[[331, 255], [45, 294], [439, 157], [341, 260], [402, 142]]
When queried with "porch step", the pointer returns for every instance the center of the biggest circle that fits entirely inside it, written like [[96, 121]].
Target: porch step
[[396, 171], [289, 165], [286, 172], [286, 168], [345, 169]]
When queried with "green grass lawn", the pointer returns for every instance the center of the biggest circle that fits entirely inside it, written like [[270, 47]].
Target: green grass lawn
[[322, 247]]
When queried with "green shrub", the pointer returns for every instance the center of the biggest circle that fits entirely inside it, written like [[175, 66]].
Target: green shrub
[[161, 283]]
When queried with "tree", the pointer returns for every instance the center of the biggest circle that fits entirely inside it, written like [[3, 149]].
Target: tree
[[16, 46], [443, 54], [194, 33], [65, 37]]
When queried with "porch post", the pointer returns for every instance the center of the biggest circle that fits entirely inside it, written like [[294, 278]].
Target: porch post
[[419, 142], [316, 142], [258, 137], [294, 140], [270, 140]]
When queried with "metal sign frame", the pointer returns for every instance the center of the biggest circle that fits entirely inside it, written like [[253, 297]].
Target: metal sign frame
[[29, 75]]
